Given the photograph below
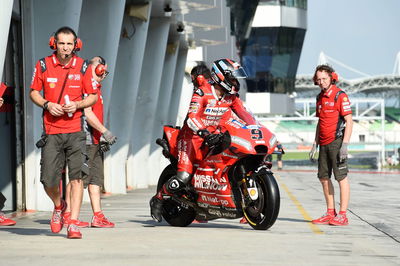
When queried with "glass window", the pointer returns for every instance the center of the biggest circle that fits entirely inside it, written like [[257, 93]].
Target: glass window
[[271, 57]]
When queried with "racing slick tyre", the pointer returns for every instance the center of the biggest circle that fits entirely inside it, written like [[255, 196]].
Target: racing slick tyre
[[262, 213], [174, 212]]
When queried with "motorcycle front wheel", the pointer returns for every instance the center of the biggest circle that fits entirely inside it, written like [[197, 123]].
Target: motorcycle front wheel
[[262, 213], [174, 212]]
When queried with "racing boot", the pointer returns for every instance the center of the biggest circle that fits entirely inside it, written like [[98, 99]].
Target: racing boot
[[178, 182], [174, 184]]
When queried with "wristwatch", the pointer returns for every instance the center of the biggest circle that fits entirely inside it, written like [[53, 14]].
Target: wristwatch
[[45, 105]]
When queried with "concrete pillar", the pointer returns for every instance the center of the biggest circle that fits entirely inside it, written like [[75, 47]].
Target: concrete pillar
[[5, 20], [146, 104], [161, 115], [100, 31], [178, 88], [122, 109], [5, 183], [36, 31]]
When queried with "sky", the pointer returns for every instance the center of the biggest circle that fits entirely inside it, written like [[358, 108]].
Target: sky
[[362, 34]]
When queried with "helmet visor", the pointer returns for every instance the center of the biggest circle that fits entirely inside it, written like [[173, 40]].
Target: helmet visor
[[239, 73]]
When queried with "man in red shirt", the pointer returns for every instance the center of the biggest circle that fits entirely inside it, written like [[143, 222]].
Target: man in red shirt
[[209, 107], [64, 78], [332, 135]]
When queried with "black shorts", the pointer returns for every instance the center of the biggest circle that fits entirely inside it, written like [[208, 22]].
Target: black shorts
[[328, 161], [96, 173], [60, 150]]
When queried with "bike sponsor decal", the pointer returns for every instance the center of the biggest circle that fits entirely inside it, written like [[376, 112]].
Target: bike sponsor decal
[[252, 127], [194, 107], [222, 214], [272, 141], [235, 123], [214, 200], [215, 111], [182, 154], [208, 182], [241, 142]]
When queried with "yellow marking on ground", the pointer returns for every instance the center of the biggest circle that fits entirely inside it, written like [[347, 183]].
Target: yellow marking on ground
[[303, 212]]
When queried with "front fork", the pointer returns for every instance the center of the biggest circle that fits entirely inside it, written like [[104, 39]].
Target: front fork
[[247, 186]]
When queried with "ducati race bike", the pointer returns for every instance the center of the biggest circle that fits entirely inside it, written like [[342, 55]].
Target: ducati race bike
[[233, 180]]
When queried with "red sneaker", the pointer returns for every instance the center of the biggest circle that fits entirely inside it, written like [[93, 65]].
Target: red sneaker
[[73, 231], [324, 219], [56, 222], [101, 221], [243, 220], [339, 220], [6, 221], [67, 218]]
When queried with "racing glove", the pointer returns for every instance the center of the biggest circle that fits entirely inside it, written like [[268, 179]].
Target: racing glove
[[104, 146], [109, 137], [212, 139], [209, 139], [203, 133], [313, 152], [343, 152]]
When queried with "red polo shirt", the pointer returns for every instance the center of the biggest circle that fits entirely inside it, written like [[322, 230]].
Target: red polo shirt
[[97, 109], [49, 75], [331, 113]]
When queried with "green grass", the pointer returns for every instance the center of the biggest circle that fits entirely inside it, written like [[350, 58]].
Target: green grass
[[304, 155]]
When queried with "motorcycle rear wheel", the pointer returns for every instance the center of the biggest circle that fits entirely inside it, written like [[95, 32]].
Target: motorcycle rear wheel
[[173, 212], [263, 212]]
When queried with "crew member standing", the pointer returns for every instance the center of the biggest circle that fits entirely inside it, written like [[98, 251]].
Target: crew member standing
[[64, 78], [332, 135], [99, 139]]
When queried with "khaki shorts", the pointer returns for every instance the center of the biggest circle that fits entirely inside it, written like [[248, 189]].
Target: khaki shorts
[[328, 161], [96, 173], [61, 150]]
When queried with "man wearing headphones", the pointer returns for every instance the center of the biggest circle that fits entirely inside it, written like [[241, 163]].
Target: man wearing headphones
[[332, 135], [64, 78]]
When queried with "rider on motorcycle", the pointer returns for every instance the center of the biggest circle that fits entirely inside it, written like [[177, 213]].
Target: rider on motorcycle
[[209, 107]]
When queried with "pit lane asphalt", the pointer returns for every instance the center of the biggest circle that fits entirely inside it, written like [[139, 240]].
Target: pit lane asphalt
[[371, 238]]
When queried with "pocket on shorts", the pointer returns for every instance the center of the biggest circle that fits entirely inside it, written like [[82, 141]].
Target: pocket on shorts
[[342, 170]]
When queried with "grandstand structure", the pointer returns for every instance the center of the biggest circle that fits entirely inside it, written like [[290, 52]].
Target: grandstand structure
[[375, 103]]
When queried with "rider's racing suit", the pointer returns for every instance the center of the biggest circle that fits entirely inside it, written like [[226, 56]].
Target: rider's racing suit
[[206, 111]]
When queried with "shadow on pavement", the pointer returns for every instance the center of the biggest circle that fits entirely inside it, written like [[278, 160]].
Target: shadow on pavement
[[30, 231], [43, 221], [151, 223], [293, 220]]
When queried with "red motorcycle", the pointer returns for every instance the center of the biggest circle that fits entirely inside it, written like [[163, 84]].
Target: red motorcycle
[[232, 181]]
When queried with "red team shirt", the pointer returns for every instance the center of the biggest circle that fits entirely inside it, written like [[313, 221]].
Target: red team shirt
[[330, 113], [49, 75], [97, 109]]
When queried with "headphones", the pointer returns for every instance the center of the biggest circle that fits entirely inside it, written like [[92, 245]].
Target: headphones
[[53, 39], [334, 76], [200, 79], [201, 74], [101, 68]]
